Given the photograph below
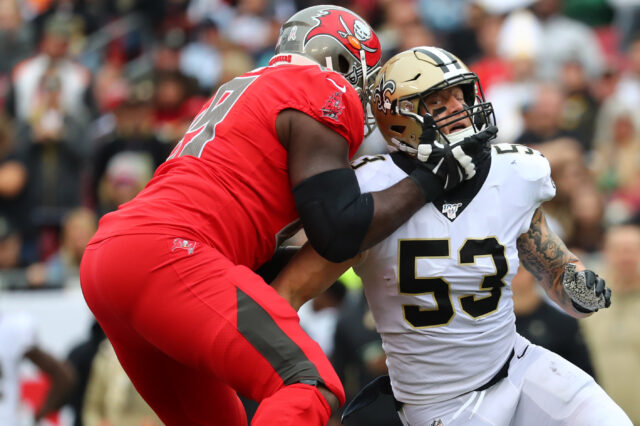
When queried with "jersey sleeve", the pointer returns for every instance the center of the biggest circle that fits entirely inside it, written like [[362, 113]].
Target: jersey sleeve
[[376, 172], [330, 99], [536, 171]]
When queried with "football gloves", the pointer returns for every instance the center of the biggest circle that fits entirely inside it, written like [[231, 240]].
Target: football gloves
[[588, 292], [453, 163]]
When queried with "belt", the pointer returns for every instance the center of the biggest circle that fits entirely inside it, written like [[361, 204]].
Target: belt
[[501, 374], [382, 384]]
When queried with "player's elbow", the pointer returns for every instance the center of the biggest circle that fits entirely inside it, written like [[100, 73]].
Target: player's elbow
[[336, 216], [337, 235]]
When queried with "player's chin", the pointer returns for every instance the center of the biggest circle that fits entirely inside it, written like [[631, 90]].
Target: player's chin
[[456, 127]]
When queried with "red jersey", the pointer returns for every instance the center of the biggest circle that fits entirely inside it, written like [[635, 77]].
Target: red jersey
[[226, 183]]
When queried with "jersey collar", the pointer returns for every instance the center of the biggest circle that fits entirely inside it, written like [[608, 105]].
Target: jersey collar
[[451, 203], [291, 59]]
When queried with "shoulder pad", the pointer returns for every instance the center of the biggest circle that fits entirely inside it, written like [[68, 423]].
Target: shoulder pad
[[376, 172], [527, 162]]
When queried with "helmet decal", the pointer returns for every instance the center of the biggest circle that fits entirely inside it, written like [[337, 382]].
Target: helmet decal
[[350, 31], [292, 34], [381, 94], [402, 86]]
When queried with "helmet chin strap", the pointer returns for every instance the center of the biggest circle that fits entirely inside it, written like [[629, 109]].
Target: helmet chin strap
[[458, 136], [363, 64], [369, 120]]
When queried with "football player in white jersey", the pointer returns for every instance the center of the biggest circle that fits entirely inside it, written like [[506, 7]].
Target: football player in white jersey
[[439, 287], [18, 342]]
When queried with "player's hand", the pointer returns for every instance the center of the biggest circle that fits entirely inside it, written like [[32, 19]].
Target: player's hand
[[588, 292], [456, 162]]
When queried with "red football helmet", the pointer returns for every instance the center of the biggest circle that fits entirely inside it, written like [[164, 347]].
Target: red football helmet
[[338, 39]]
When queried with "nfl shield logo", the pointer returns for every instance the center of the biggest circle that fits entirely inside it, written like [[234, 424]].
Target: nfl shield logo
[[451, 210]]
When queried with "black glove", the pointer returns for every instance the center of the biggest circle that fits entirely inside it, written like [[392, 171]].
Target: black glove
[[588, 292], [452, 163]]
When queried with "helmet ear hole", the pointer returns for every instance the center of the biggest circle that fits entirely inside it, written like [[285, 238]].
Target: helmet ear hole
[[343, 65], [397, 129]]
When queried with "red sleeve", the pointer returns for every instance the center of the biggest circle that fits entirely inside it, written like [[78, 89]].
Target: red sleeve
[[329, 98]]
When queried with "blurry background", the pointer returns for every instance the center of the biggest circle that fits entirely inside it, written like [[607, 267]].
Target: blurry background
[[95, 93]]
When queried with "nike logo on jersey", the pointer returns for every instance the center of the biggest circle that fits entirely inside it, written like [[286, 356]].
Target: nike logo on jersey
[[523, 352], [343, 89]]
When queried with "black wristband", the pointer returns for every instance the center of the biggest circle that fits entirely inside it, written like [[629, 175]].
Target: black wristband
[[581, 309], [430, 184]]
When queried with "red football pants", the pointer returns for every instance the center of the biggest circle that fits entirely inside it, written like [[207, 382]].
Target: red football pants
[[190, 329]]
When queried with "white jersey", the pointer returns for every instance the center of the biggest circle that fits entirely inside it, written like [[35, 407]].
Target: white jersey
[[439, 287], [17, 336]]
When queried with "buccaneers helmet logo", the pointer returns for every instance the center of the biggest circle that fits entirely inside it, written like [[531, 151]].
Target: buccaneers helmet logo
[[353, 33]]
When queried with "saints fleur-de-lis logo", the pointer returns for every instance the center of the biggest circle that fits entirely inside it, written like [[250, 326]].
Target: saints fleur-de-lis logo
[[381, 94]]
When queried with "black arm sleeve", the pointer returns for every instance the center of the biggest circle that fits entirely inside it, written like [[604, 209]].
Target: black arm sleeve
[[334, 213]]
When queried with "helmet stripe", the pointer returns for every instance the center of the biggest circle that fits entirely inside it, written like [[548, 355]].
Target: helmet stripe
[[442, 59]]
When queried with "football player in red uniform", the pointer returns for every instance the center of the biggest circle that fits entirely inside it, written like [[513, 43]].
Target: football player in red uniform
[[170, 275]]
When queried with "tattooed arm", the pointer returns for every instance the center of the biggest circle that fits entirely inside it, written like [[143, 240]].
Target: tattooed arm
[[545, 255]]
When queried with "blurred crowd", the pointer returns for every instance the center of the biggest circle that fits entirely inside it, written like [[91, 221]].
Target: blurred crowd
[[94, 94]]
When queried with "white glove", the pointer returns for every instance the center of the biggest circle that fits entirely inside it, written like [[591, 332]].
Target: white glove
[[452, 163]]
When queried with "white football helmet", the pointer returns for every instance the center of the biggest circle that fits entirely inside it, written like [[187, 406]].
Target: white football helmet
[[403, 83]]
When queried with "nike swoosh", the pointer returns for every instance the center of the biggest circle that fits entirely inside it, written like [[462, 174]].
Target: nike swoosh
[[523, 352], [343, 89]]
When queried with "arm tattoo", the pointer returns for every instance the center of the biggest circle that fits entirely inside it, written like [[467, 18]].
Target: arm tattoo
[[544, 254]]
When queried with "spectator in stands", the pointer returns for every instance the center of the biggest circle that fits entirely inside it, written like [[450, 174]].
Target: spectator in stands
[[402, 28], [568, 173], [127, 173], [201, 58], [587, 210], [488, 64], [13, 183], [53, 58], [16, 41], [13, 274], [111, 85], [546, 325], [319, 316], [134, 132], [61, 268], [253, 28], [358, 358], [51, 142], [172, 89], [110, 398], [81, 357], [518, 45], [628, 87], [580, 107], [616, 159], [10, 245], [543, 116], [614, 336], [562, 38], [18, 341]]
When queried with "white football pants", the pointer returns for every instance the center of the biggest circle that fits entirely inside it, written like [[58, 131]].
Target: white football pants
[[541, 389]]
